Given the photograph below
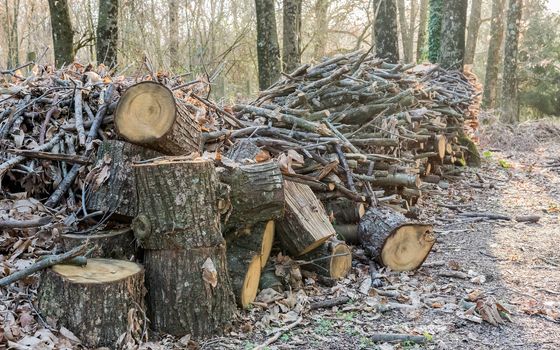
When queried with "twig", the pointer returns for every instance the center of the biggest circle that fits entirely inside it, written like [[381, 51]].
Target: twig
[[6, 224], [278, 334], [328, 303], [386, 337]]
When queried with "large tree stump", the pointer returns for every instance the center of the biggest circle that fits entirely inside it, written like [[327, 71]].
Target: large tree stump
[[244, 267], [178, 208], [94, 301], [256, 193], [114, 244], [148, 114], [117, 194], [189, 291], [393, 240], [305, 225], [332, 259]]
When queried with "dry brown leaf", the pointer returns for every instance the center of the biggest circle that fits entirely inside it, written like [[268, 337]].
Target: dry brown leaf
[[209, 273]]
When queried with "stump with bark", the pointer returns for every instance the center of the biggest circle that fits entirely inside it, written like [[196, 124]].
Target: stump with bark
[[394, 240], [148, 114], [114, 244], [332, 259], [94, 301]]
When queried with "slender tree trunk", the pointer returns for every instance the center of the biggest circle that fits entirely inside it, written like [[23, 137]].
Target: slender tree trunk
[[107, 32], [472, 31], [510, 101], [11, 29], [291, 51], [405, 33], [452, 50], [434, 30], [386, 34], [409, 49], [62, 32], [321, 28], [173, 34], [494, 59], [268, 51], [422, 30]]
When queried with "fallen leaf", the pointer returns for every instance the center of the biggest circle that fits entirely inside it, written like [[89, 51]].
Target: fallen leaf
[[209, 273]]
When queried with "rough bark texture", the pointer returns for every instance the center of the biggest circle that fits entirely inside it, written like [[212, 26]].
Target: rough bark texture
[[270, 280], [321, 28], [268, 51], [332, 259], [291, 48], [422, 27], [494, 57], [107, 32], [347, 232], [256, 193], [117, 194], [243, 151], [452, 50], [406, 32], [62, 33], [510, 98], [178, 208], [11, 29], [434, 29], [116, 244], [258, 238], [305, 225], [386, 34], [345, 211], [245, 271], [90, 301], [181, 299], [174, 33], [472, 31]]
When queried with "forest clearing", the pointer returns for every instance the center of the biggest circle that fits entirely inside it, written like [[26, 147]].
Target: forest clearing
[[280, 175]]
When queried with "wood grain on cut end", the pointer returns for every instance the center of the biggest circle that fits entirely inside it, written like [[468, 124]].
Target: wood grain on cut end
[[98, 271], [408, 247], [333, 259], [341, 261]]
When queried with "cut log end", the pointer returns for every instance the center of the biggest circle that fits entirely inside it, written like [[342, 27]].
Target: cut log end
[[98, 271], [267, 242], [407, 247], [341, 261], [250, 286]]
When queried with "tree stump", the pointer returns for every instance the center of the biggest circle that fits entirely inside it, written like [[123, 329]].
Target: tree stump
[[117, 194], [115, 244], [178, 208], [94, 301], [148, 114], [332, 259], [244, 267], [305, 225], [393, 240], [189, 291]]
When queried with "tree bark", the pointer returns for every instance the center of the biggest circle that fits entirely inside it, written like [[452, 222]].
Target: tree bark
[[472, 31], [114, 244], [386, 34], [94, 301], [244, 267], [11, 29], [345, 211], [452, 50], [107, 32], [321, 28], [510, 98], [332, 259], [422, 27], [174, 34], [494, 57], [291, 49], [434, 29], [407, 31], [268, 51], [62, 32], [258, 237]]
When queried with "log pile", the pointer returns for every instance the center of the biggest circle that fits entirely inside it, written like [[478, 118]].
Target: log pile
[[150, 171]]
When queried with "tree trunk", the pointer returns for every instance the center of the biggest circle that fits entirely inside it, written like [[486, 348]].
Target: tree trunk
[[62, 32], [393, 240], [268, 52], [434, 29], [321, 28], [305, 225], [244, 266], [494, 58], [174, 34], [452, 50], [406, 32], [117, 196], [115, 244], [189, 291], [421, 41], [107, 32], [291, 50], [409, 49], [332, 259], [386, 34], [148, 114], [510, 100], [95, 301], [472, 31], [11, 29]]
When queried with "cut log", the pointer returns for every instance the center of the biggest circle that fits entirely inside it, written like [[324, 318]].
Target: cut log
[[244, 266], [332, 259], [305, 225], [258, 238], [393, 240], [256, 193], [115, 244], [117, 194], [348, 232], [345, 211], [270, 280], [148, 114], [96, 301], [243, 150], [178, 208], [189, 291]]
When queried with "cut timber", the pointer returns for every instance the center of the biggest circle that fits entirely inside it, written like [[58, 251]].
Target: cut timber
[[243, 150], [148, 114], [178, 208], [116, 244], [256, 193], [332, 259], [305, 225], [394, 240], [345, 211], [258, 238], [244, 267], [348, 232], [189, 291], [117, 194], [94, 301], [440, 144]]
